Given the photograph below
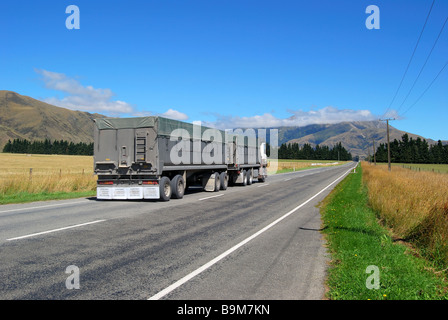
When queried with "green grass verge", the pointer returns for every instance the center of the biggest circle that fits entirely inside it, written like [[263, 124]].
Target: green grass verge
[[24, 197], [356, 241]]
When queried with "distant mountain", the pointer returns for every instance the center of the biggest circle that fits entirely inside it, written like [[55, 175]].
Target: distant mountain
[[356, 136], [27, 118]]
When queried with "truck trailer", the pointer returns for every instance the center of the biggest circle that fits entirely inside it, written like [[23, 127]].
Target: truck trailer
[[159, 158]]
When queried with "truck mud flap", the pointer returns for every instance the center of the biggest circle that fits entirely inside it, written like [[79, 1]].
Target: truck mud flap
[[209, 182], [124, 193]]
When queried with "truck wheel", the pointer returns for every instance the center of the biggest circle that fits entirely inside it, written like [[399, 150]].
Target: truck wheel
[[165, 188], [244, 177], [178, 187], [224, 177], [250, 177], [217, 182]]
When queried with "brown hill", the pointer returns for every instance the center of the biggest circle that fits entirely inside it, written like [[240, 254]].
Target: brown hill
[[357, 136], [27, 118]]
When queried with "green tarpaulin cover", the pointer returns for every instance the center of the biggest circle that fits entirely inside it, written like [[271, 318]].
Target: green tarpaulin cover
[[163, 126]]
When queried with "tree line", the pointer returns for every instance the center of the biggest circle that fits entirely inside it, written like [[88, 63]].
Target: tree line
[[410, 150], [48, 147], [307, 152]]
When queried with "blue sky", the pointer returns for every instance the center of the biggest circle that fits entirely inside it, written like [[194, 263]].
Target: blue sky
[[231, 63]]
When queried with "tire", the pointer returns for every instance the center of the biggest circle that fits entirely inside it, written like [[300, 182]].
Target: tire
[[217, 182], [244, 177], [165, 188], [224, 177], [250, 177], [178, 187]]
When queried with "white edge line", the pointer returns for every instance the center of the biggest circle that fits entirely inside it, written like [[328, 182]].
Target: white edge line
[[30, 208], [54, 230], [219, 195], [263, 185], [199, 270]]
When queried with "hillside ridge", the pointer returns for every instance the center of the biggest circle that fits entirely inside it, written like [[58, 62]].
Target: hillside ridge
[[23, 117]]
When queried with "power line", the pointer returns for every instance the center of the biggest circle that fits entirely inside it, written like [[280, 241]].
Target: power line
[[438, 74], [410, 60], [427, 58]]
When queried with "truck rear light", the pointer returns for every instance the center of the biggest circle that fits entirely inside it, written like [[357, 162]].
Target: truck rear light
[[105, 182], [150, 182]]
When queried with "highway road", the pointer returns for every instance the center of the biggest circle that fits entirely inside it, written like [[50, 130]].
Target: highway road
[[261, 241]]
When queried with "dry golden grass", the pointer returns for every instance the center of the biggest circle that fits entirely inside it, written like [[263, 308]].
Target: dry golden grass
[[50, 173], [414, 204]]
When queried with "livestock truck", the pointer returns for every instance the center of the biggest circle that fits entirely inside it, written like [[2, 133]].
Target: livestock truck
[[158, 158]]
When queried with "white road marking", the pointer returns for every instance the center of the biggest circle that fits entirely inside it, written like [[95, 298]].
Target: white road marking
[[199, 270], [287, 179], [263, 185], [219, 195], [54, 230], [47, 206]]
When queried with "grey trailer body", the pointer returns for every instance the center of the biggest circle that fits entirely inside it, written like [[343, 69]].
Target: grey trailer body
[[158, 158]]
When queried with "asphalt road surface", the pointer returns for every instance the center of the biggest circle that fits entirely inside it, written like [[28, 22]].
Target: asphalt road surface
[[261, 241]]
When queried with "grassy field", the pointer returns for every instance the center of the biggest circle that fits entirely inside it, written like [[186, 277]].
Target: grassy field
[[30, 177], [366, 261], [414, 204], [26, 178], [438, 168]]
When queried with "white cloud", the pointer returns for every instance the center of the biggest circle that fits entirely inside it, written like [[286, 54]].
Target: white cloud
[[141, 114], [393, 114], [326, 115], [170, 113], [174, 114], [88, 98], [79, 97], [330, 115]]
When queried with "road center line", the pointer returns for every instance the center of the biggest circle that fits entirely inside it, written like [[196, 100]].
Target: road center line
[[219, 195], [54, 230], [199, 270]]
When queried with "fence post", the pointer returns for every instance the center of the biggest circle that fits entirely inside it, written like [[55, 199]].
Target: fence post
[[31, 172]]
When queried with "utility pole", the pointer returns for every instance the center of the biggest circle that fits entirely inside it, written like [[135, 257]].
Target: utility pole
[[388, 140]]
